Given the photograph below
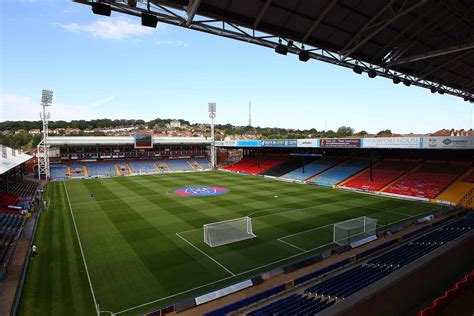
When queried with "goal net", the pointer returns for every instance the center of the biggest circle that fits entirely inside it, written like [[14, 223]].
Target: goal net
[[230, 231], [354, 229]]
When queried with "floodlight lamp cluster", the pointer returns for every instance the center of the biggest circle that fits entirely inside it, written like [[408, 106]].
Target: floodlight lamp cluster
[[148, 19], [47, 97]]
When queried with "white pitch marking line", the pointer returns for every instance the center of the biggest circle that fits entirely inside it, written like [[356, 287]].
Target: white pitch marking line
[[195, 247], [220, 280], [289, 244], [82, 252]]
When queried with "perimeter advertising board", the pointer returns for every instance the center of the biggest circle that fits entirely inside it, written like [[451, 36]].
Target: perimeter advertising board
[[340, 143], [392, 142], [226, 143], [448, 142], [310, 142], [279, 143], [249, 143]]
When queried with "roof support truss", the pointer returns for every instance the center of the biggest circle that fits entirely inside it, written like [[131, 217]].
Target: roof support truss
[[435, 53], [261, 14], [168, 14], [372, 28]]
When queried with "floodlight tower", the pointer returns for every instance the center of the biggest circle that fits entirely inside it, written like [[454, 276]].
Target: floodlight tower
[[43, 148], [212, 116]]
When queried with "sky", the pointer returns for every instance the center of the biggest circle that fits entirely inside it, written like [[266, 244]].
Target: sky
[[112, 67]]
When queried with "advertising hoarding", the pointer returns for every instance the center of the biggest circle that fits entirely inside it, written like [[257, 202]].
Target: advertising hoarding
[[309, 142], [392, 142], [340, 142], [249, 143], [448, 142], [279, 143]]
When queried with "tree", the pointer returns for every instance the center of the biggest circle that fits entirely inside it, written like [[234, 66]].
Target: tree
[[345, 131], [385, 132], [361, 133], [330, 134]]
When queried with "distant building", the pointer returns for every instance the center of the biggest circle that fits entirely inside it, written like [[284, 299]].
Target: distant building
[[453, 132], [34, 131]]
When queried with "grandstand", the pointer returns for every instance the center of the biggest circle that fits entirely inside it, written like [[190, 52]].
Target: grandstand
[[135, 246]]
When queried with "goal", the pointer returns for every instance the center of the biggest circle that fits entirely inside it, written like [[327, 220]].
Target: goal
[[230, 231], [354, 229]]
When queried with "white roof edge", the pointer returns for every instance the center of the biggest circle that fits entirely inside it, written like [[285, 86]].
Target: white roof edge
[[11, 161], [120, 140]]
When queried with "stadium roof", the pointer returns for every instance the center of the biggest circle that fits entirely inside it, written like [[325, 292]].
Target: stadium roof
[[120, 140], [425, 43], [11, 158]]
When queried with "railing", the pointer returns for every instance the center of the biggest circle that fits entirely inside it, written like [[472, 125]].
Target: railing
[[467, 200]]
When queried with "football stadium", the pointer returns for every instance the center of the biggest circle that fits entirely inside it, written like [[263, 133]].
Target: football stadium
[[147, 224]]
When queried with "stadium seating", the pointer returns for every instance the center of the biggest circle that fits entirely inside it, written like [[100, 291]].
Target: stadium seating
[[295, 304], [427, 181], [253, 166], [203, 163], [241, 165], [58, 172], [312, 168], [101, 169], [353, 280], [383, 173], [469, 177], [20, 188], [10, 227], [284, 168], [340, 172], [349, 282], [179, 165], [123, 168], [77, 171], [449, 295], [145, 166], [458, 189]]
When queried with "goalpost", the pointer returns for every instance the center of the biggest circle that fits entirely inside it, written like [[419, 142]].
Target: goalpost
[[230, 231], [354, 230]]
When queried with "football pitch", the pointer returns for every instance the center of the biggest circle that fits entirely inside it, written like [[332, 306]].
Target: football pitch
[[136, 245]]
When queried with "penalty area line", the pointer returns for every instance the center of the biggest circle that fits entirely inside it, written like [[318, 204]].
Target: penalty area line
[[290, 244], [195, 247]]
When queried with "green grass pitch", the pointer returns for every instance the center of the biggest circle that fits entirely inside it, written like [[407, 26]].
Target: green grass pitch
[[142, 245]]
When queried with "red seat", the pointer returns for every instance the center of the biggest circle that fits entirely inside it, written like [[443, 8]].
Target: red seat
[[427, 181], [382, 174]]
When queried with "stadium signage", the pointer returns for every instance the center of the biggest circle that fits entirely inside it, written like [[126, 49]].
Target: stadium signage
[[307, 142], [249, 143], [223, 292], [448, 142], [392, 142], [340, 143], [279, 143]]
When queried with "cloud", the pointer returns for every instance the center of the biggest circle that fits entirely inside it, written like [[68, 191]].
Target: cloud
[[173, 43], [17, 107], [114, 28]]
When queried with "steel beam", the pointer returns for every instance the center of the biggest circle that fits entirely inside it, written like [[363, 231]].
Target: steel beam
[[435, 53], [346, 51], [191, 11], [318, 20], [261, 14]]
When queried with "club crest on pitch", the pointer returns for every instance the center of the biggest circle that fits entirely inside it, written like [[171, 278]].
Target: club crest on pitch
[[200, 190]]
